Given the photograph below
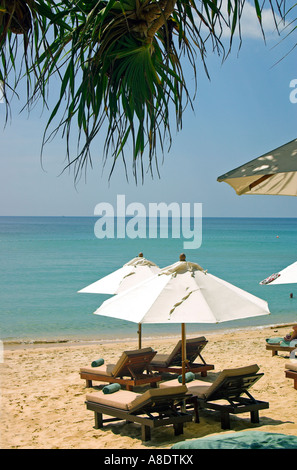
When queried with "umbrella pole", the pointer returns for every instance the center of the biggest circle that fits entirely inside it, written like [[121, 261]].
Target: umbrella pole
[[184, 352], [139, 335]]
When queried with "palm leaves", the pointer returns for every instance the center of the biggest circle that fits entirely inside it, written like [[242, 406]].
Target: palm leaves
[[127, 83], [15, 19], [120, 66], [23, 26]]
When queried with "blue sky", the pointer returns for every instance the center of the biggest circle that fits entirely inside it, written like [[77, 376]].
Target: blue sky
[[241, 113]]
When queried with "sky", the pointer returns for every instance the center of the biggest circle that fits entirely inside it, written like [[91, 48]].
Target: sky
[[242, 112]]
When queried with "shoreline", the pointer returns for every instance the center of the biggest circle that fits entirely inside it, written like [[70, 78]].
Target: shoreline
[[10, 345]]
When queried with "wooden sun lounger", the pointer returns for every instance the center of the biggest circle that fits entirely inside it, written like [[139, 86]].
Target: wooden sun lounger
[[151, 409], [291, 374], [291, 368], [229, 386], [132, 369], [277, 347], [172, 362]]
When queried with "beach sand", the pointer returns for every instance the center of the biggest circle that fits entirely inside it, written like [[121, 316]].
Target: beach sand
[[43, 397]]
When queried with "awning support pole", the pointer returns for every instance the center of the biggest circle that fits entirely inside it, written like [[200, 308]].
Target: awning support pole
[[184, 352], [139, 335]]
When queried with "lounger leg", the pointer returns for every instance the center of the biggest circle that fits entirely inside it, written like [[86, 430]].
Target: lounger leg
[[193, 401], [225, 420], [295, 384], [274, 352], [98, 420], [88, 383], [204, 373], [178, 429], [196, 412], [145, 433], [255, 416]]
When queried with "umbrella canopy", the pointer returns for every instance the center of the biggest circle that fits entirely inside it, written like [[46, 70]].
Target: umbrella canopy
[[183, 293], [287, 275], [273, 173], [136, 270]]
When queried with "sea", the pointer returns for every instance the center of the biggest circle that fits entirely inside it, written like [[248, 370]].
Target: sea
[[45, 261]]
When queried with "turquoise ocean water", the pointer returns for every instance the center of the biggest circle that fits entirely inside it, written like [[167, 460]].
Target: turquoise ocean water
[[46, 260]]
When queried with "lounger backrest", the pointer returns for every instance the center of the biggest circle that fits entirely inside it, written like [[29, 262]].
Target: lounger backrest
[[216, 390], [194, 347], [155, 399], [137, 361]]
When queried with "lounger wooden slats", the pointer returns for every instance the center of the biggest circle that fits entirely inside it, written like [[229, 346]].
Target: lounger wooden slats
[[172, 362], [290, 374], [228, 394], [129, 370], [274, 348], [151, 410], [231, 390], [129, 383]]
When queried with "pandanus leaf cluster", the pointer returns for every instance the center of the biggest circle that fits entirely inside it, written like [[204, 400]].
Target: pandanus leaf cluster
[[120, 68]]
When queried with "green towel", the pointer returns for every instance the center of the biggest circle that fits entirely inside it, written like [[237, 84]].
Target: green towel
[[280, 341], [189, 376], [241, 440], [275, 340], [291, 344], [111, 388], [98, 362]]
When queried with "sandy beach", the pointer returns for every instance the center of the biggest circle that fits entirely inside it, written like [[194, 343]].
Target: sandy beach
[[43, 397]]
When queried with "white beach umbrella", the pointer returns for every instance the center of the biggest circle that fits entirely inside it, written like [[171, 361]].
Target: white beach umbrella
[[136, 270], [287, 275], [183, 293], [130, 274], [273, 173]]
